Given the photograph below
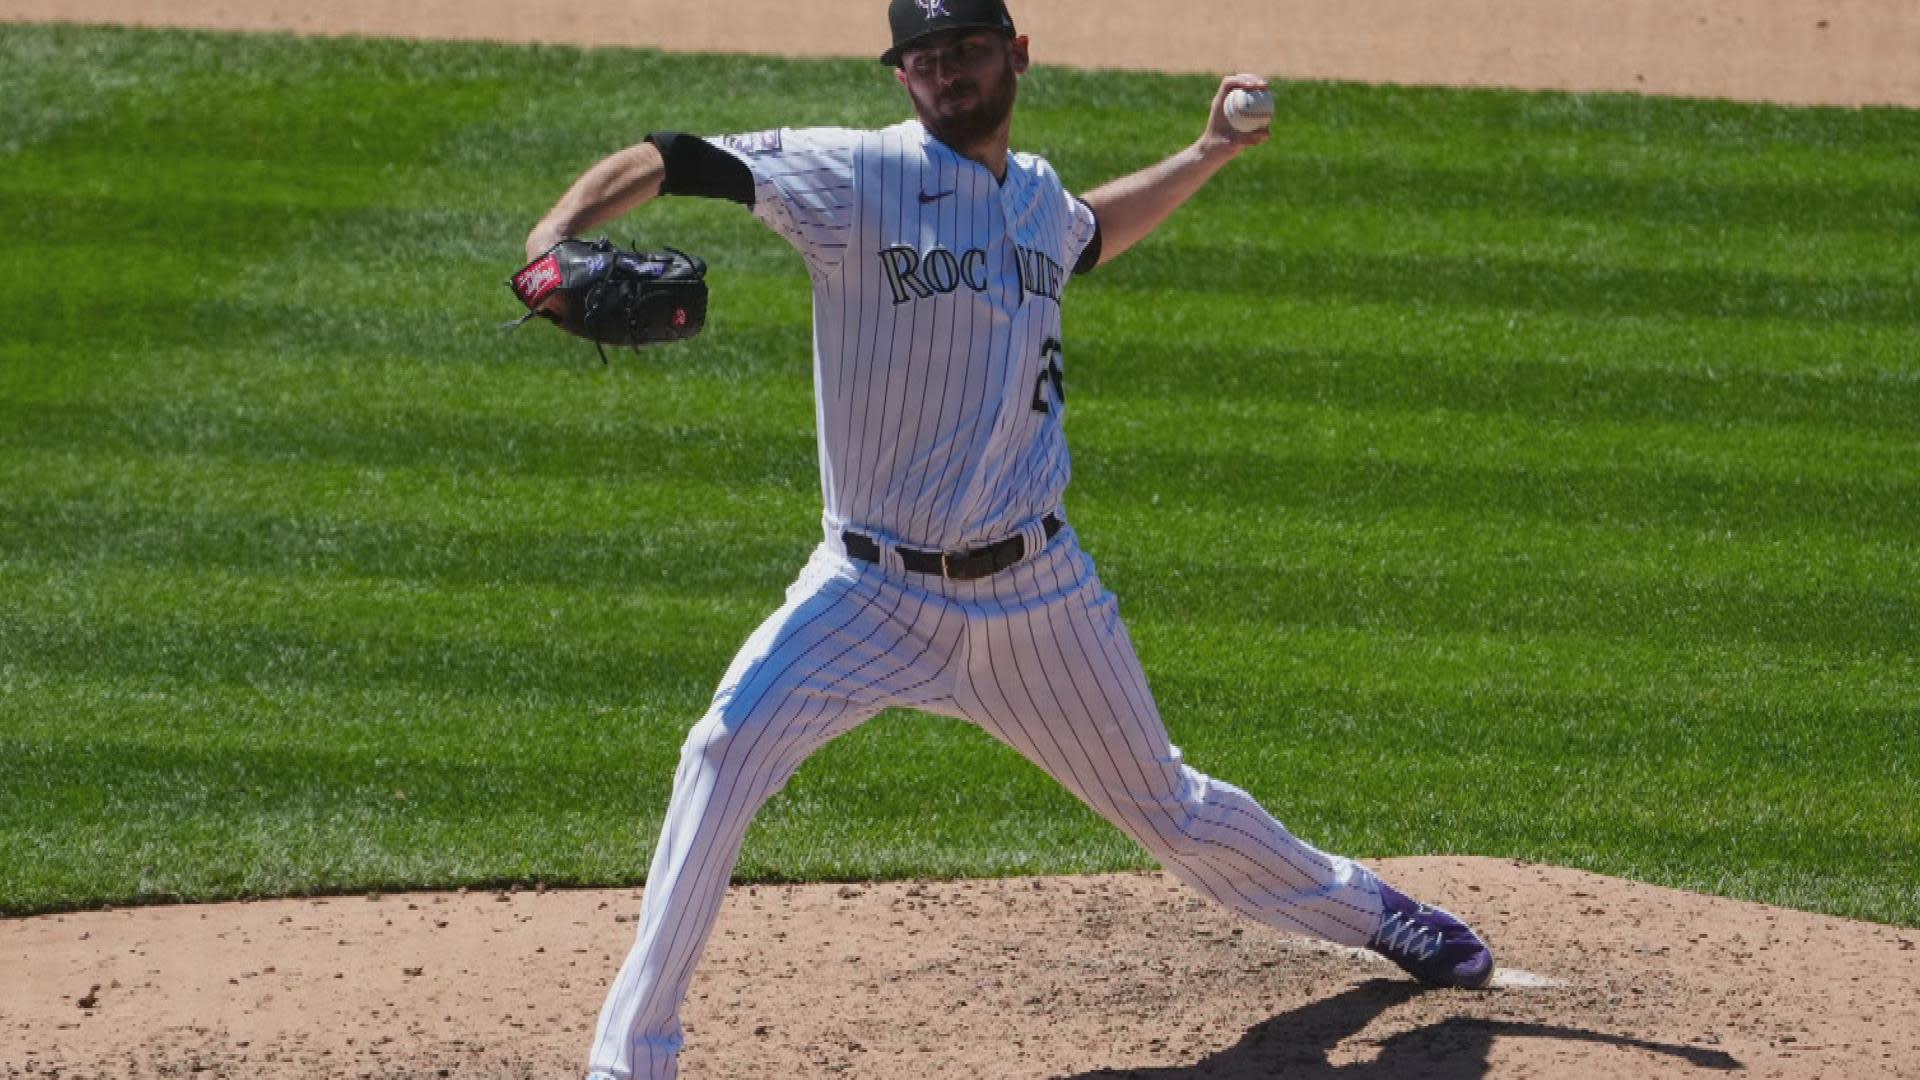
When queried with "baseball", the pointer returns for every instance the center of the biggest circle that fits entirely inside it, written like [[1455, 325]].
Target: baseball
[[1249, 110]]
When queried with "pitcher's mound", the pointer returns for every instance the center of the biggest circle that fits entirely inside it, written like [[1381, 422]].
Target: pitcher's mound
[[1128, 975]]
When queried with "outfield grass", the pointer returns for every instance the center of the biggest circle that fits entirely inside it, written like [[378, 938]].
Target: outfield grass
[[1515, 474]]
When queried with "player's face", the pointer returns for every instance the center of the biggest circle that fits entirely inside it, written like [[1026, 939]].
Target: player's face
[[964, 84]]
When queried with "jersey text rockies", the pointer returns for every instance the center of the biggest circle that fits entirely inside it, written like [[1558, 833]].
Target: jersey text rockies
[[914, 275]]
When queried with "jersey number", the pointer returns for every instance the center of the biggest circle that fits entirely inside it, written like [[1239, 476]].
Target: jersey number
[[1051, 353]]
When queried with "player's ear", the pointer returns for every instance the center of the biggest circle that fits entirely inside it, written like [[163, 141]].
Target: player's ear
[[1018, 49], [901, 74]]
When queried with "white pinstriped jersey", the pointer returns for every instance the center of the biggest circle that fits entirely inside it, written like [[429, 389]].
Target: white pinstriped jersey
[[936, 344], [937, 355]]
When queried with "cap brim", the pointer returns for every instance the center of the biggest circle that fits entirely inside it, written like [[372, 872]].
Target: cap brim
[[891, 57]]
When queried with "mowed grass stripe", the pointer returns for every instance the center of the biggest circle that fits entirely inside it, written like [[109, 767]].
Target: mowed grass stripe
[[1570, 434], [1750, 455], [1744, 537], [1842, 433], [1690, 588], [1708, 373], [257, 818], [1531, 285], [242, 627], [1481, 340], [1556, 390]]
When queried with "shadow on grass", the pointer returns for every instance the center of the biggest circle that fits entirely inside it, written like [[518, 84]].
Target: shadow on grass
[[1296, 1045]]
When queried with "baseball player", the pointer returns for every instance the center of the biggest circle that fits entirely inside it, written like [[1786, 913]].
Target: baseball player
[[949, 579]]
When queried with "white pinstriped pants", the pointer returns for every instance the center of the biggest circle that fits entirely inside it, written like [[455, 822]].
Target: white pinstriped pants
[[1037, 656]]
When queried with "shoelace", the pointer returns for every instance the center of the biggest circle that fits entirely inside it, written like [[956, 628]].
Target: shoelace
[[1405, 937]]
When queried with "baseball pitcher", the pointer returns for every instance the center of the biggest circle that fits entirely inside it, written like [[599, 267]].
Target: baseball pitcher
[[949, 578]]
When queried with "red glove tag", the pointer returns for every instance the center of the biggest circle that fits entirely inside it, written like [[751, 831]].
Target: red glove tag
[[535, 283]]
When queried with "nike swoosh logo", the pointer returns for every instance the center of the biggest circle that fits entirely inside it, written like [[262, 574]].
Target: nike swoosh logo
[[935, 197]]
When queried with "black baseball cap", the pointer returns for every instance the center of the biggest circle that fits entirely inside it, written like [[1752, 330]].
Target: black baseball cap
[[915, 19]]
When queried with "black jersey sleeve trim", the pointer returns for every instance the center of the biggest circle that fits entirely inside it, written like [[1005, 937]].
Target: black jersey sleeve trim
[[697, 167], [1089, 255]]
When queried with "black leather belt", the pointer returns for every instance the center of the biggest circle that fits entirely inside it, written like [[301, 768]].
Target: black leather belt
[[956, 565]]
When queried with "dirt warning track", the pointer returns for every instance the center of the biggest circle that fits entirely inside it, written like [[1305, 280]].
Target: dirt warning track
[[1809, 52]]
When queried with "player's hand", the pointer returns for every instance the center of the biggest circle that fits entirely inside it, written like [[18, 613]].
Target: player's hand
[[540, 241], [1220, 134]]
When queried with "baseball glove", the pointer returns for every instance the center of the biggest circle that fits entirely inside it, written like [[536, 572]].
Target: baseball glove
[[612, 296]]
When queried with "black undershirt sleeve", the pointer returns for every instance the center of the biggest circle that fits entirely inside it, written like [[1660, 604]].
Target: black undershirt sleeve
[[1089, 255], [697, 167]]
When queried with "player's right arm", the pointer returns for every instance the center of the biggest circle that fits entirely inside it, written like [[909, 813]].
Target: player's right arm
[[666, 163], [617, 185]]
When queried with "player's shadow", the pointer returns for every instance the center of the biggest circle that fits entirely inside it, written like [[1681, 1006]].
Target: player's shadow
[[1296, 1045]]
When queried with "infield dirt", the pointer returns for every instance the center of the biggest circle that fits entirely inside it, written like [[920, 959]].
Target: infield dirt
[[1116, 976], [1113, 976]]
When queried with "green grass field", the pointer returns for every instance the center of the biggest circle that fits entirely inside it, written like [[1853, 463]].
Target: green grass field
[[1525, 475]]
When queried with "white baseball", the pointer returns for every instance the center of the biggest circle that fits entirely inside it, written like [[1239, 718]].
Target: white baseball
[[1249, 110]]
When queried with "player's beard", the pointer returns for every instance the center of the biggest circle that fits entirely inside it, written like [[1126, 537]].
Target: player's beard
[[964, 126]]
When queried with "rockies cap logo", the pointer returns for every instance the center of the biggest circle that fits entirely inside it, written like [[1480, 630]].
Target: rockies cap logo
[[913, 21]]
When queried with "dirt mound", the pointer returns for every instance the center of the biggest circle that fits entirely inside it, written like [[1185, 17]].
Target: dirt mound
[[1128, 975]]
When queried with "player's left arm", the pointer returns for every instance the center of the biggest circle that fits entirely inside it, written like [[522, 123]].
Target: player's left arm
[[1130, 208]]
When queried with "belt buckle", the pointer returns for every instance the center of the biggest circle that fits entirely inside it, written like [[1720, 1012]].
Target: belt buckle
[[993, 560]]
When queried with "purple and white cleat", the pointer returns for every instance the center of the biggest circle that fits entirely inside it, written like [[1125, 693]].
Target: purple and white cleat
[[1431, 944]]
